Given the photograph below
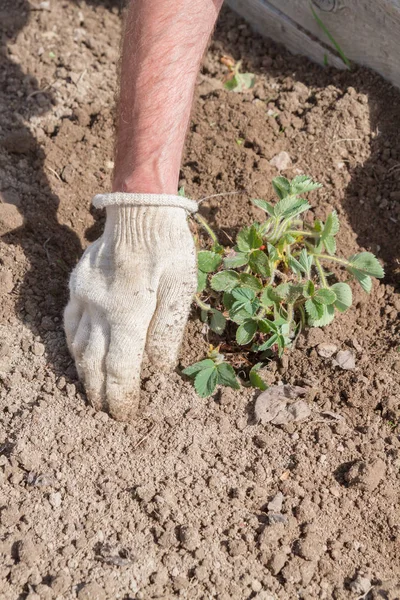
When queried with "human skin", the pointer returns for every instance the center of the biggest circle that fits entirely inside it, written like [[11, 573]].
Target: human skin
[[163, 45]]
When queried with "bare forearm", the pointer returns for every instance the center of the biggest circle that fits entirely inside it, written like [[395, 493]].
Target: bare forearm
[[163, 46]]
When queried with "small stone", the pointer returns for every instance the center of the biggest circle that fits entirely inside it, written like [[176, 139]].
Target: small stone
[[55, 499], [91, 591], [326, 350], [345, 360], [281, 161], [315, 336], [61, 383], [276, 503], [256, 585], [360, 585], [38, 349]]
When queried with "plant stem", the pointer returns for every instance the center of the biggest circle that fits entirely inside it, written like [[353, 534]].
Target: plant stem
[[201, 304], [207, 227], [341, 261], [320, 272], [304, 233]]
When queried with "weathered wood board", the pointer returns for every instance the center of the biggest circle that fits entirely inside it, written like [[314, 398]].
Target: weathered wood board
[[368, 31]]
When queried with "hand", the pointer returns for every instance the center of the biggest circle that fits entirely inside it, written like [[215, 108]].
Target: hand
[[131, 291]]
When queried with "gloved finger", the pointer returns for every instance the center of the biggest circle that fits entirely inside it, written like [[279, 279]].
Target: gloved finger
[[124, 359], [80, 342], [94, 359], [167, 327], [72, 316]]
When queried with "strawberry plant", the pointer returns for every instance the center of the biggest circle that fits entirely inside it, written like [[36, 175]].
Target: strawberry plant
[[259, 294]]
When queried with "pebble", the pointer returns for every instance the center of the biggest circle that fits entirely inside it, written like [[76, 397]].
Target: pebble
[[360, 585], [345, 360], [277, 562], [281, 161], [256, 585], [276, 503], [38, 349], [326, 350], [55, 499]]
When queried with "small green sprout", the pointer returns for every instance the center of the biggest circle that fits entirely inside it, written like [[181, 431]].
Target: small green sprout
[[239, 82], [259, 294]]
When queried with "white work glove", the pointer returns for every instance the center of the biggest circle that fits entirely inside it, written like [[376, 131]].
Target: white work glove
[[131, 291]]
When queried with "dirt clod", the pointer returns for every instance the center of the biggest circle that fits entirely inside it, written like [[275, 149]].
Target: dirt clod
[[366, 475]]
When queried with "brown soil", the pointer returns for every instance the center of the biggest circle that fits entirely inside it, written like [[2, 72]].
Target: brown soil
[[176, 504]]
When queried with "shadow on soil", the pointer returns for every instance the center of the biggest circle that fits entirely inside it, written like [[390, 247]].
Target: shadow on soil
[[43, 292]]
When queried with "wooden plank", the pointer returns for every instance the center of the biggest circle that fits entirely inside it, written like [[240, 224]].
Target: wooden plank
[[368, 31], [273, 23]]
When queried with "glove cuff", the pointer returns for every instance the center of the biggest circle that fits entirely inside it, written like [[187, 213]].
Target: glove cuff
[[124, 199]]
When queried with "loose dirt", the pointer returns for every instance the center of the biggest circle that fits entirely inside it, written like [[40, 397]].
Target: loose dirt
[[194, 499]]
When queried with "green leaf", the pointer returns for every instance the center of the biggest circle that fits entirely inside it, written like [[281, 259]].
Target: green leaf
[[243, 294], [281, 291], [309, 289], [315, 310], [238, 260], [250, 281], [227, 376], [240, 315], [228, 300], [281, 186], [364, 280], [217, 321], [266, 206], [291, 206], [201, 281], [269, 343], [240, 82], [249, 239], [205, 381], [368, 264], [259, 263], [306, 261], [344, 296], [207, 363], [255, 379], [266, 326], [328, 314], [245, 332], [295, 291], [295, 265], [325, 296], [331, 226], [273, 253], [330, 245], [301, 184], [268, 298], [225, 281], [208, 261]]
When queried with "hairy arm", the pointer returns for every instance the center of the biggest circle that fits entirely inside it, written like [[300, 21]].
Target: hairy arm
[[164, 42]]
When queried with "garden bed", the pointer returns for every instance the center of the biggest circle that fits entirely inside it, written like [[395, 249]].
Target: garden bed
[[178, 504]]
